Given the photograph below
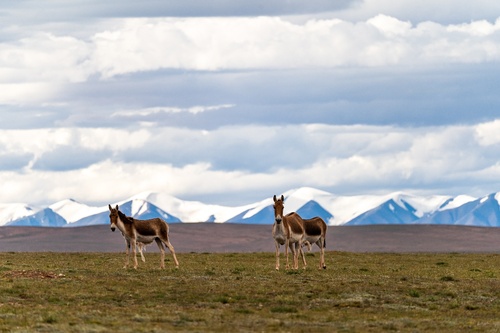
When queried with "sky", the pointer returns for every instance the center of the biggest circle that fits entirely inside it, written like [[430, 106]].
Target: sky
[[230, 102]]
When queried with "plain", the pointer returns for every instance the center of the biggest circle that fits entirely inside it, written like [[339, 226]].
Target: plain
[[242, 292]]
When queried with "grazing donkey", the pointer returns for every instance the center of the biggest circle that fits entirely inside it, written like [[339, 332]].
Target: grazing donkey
[[141, 231], [315, 233], [288, 230]]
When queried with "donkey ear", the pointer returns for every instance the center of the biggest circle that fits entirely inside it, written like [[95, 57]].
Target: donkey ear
[[274, 198], [110, 209], [116, 207], [282, 198]]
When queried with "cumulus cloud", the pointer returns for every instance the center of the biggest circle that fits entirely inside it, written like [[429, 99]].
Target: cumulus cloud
[[33, 69], [270, 42], [348, 96], [199, 164], [488, 133], [65, 148], [146, 44]]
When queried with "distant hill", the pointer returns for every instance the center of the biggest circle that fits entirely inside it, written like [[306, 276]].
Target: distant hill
[[237, 237]]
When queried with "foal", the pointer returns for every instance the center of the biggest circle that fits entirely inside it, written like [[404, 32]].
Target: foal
[[288, 230], [141, 231]]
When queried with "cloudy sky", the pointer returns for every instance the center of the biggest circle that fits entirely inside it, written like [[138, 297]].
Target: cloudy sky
[[230, 102]]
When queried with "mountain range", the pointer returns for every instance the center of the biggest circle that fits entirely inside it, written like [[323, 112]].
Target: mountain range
[[394, 208]]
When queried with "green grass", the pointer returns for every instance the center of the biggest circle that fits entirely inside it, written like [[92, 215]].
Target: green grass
[[91, 292]]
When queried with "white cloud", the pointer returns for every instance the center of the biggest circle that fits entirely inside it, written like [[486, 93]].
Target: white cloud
[[27, 92], [153, 111], [112, 181], [379, 62], [477, 28], [343, 159], [488, 134], [34, 68], [38, 66], [45, 57], [390, 26], [270, 42], [38, 142]]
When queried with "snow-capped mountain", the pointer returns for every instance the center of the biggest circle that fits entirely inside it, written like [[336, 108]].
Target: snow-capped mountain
[[188, 211], [479, 212], [400, 208], [394, 208], [43, 218], [73, 211], [14, 211]]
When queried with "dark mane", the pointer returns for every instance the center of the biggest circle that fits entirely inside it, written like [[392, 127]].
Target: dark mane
[[125, 218]]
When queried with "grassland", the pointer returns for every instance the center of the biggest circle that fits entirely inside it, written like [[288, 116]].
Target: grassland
[[236, 292]]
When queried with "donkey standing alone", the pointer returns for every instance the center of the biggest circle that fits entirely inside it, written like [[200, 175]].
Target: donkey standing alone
[[143, 231]]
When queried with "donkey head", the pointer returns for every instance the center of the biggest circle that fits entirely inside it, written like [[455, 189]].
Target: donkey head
[[113, 217], [278, 208]]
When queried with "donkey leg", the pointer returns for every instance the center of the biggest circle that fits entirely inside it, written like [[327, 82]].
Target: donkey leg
[[277, 245], [171, 249], [141, 246], [295, 255], [322, 253], [298, 251], [301, 251], [134, 252], [162, 251], [287, 245], [127, 251]]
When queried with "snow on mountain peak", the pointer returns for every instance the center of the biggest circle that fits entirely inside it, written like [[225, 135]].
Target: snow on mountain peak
[[422, 205], [14, 211], [188, 211], [296, 198], [139, 206], [72, 210], [336, 210], [307, 193], [456, 202]]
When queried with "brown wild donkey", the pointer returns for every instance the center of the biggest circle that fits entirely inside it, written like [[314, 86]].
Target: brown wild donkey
[[292, 229], [288, 230], [315, 233], [141, 231]]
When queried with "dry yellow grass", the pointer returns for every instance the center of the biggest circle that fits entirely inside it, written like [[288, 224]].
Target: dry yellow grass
[[91, 292]]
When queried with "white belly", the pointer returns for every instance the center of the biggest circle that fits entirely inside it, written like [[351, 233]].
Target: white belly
[[145, 239], [279, 235], [312, 239]]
